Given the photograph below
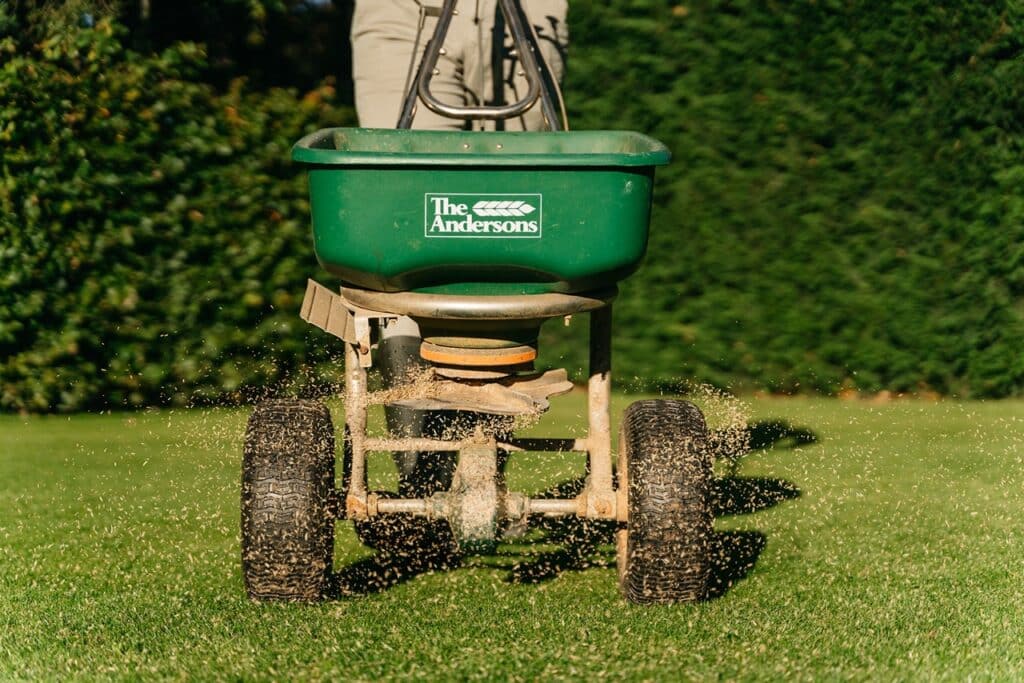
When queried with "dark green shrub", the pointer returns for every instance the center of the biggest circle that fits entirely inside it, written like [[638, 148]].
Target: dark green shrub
[[844, 206], [154, 233], [844, 211]]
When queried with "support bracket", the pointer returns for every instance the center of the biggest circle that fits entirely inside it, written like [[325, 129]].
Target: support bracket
[[334, 315]]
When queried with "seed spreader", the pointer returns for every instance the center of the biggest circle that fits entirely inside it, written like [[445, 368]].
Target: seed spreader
[[480, 238]]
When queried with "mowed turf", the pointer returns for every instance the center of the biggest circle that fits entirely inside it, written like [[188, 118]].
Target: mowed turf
[[891, 548]]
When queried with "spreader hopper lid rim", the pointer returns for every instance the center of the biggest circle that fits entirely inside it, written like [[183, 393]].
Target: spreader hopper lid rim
[[369, 147], [458, 307]]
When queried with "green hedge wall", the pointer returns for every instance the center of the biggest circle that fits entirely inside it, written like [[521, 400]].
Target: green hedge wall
[[154, 235], [844, 211]]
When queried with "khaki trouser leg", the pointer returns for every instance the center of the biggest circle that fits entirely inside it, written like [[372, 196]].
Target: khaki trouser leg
[[470, 72], [495, 77]]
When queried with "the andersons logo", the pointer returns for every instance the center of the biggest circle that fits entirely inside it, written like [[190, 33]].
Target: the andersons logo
[[483, 215]]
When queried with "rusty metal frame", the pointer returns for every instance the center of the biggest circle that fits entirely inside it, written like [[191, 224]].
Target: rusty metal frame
[[599, 498]]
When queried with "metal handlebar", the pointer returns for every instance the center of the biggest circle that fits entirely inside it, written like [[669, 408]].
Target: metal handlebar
[[526, 49]]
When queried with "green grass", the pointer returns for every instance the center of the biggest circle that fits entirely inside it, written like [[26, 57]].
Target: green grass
[[900, 559]]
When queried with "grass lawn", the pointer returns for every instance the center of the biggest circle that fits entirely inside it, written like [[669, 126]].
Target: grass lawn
[[892, 548]]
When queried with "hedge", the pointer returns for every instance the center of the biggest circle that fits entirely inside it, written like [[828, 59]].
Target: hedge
[[844, 211], [154, 233]]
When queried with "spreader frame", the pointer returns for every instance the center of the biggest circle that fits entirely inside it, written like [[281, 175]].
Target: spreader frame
[[478, 500]]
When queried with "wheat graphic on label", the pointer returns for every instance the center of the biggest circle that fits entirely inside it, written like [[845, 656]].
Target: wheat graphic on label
[[504, 208]]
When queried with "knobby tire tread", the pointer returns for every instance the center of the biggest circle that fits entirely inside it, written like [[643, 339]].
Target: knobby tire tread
[[287, 484], [670, 518]]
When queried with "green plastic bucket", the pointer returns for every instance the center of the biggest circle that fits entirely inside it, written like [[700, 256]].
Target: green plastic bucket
[[479, 213]]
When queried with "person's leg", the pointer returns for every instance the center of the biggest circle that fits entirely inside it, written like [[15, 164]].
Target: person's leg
[[492, 73], [384, 39], [384, 36]]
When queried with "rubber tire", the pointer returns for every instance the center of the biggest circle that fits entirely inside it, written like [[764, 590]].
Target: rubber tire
[[287, 487], [666, 556]]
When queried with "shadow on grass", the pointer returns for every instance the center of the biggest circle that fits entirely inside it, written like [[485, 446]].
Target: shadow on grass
[[582, 544], [746, 495], [765, 434], [733, 556], [733, 553], [760, 435], [579, 540], [381, 572]]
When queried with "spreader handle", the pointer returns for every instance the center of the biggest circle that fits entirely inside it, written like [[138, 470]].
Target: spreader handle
[[527, 51]]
